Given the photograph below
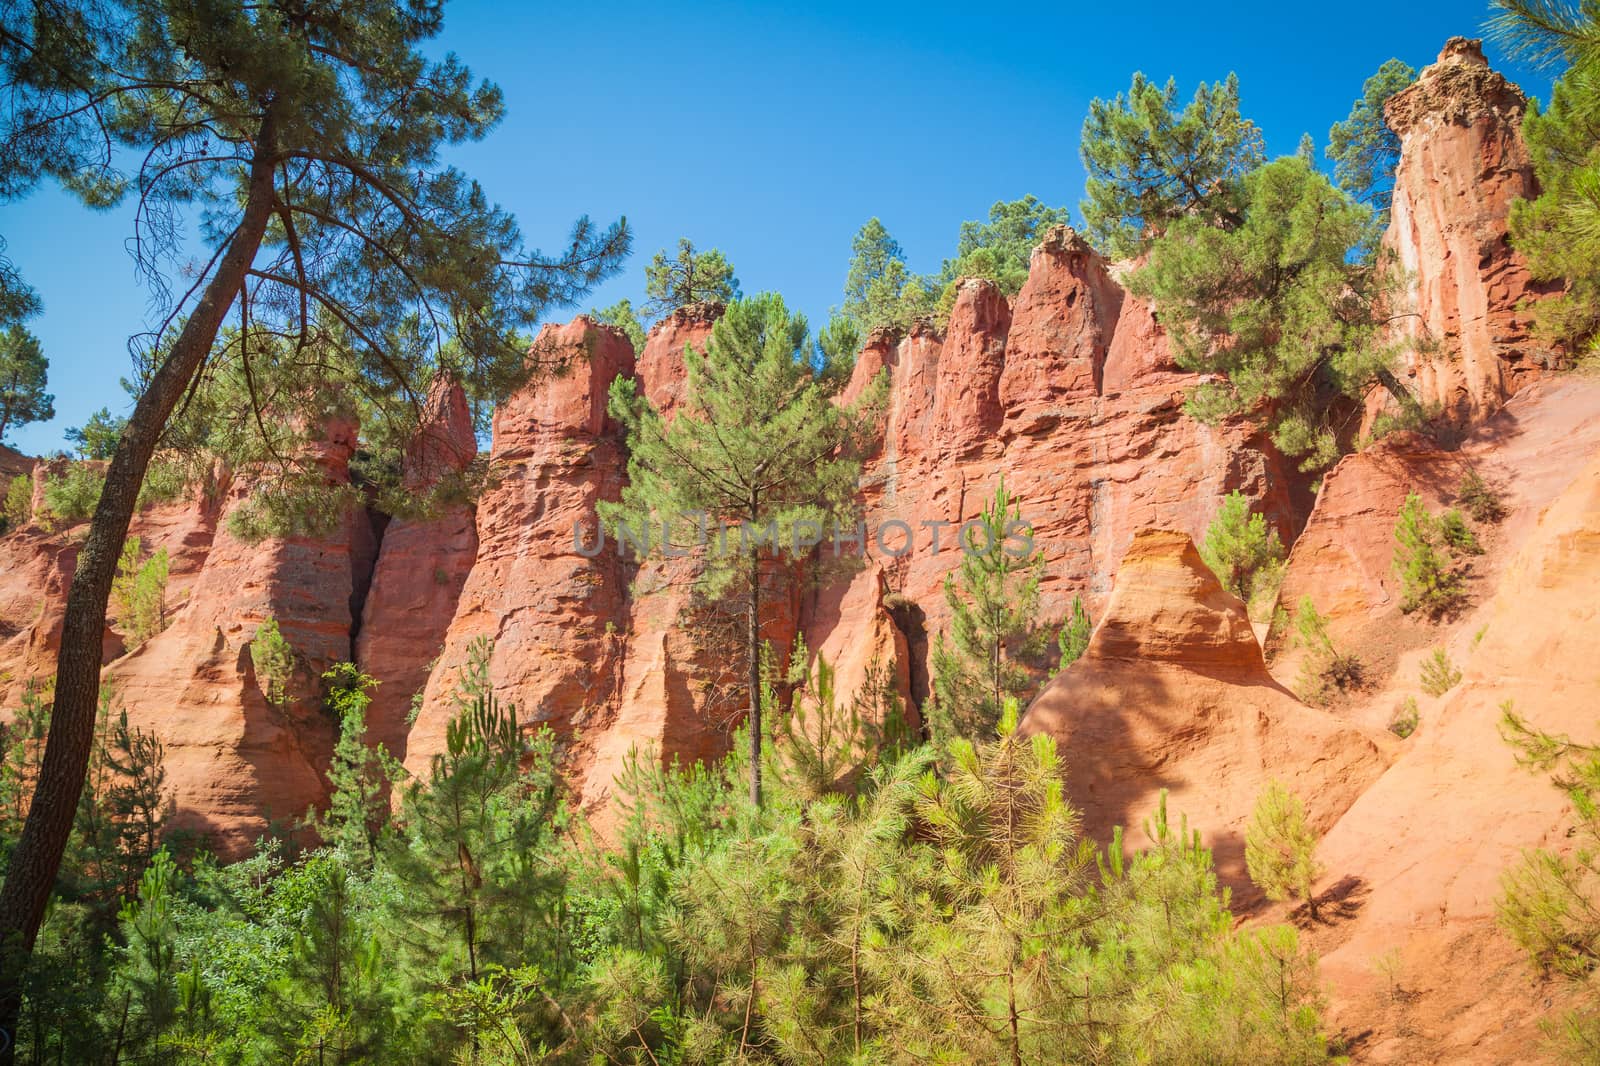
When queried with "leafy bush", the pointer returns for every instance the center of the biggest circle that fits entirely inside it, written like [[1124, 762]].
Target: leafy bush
[[1406, 718], [1246, 556], [1439, 673], [1457, 535], [18, 506], [1481, 500], [1427, 583], [274, 661], [1325, 670], [72, 497], [1280, 848]]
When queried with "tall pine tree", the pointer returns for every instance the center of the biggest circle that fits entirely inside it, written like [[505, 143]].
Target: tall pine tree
[[760, 444]]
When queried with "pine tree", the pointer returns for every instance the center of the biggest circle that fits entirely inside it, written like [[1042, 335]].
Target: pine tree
[[359, 776], [999, 248], [333, 1003], [759, 445], [471, 860], [1280, 848], [1427, 581], [139, 592], [621, 315], [1074, 638], [1276, 300], [147, 963], [690, 277], [1548, 900], [1150, 163], [1240, 549], [24, 375], [1363, 148], [97, 438], [995, 635], [880, 292], [307, 147]]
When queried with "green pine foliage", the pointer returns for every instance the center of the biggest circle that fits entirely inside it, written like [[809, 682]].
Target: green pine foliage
[[1428, 581], [1558, 232], [1363, 148], [24, 376], [879, 291], [139, 593], [71, 497], [1482, 501], [998, 248], [759, 444], [274, 661], [1272, 298], [995, 640], [1406, 718], [97, 438], [1439, 673], [1457, 536], [1326, 670], [622, 316], [1074, 637], [1242, 551], [1151, 162], [17, 508], [360, 776], [1280, 848], [689, 277], [1549, 902]]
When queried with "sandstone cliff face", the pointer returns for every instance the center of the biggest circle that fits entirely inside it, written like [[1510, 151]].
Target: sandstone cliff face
[[554, 617], [1071, 396], [235, 762], [1173, 694], [420, 571], [1462, 163]]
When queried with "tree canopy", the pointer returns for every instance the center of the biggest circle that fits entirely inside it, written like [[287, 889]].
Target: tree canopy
[[349, 263], [1363, 148], [690, 277], [24, 376], [1151, 163], [1274, 304]]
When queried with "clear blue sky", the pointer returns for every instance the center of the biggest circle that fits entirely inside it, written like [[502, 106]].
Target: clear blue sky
[[773, 132]]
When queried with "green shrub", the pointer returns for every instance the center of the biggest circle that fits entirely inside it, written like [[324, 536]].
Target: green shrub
[[1325, 669], [273, 659], [1240, 549], [1280, 848], [18, 506], [1427, 583], [72, 497], [164, 482], [1481, 500], [1406, 717], [1457, 535], [139, 593], [1439, 673]]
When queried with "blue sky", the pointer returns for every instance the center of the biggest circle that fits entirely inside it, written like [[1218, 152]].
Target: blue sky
[[773, 133]]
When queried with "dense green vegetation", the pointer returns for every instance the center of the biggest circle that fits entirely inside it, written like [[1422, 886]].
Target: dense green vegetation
[[1243, 552], [24, 375], [1559, 231], [881, 905], [1363, 148]]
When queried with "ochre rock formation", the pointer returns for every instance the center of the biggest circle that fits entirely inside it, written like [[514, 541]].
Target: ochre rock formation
[[1172, 693], [421, 568], [235, 762], [1462, 163]]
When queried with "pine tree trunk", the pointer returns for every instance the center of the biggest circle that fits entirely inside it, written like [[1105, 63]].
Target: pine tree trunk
[[31, 876], [752, 650]]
